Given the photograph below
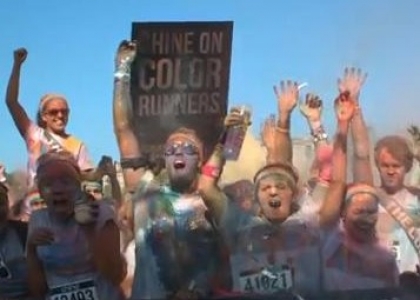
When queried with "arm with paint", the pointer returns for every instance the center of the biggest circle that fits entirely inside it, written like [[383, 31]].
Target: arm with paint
[[330, 209], [311, 109], [351, 83], [208, 187], [19, 115], [132, 162], [287, 96]]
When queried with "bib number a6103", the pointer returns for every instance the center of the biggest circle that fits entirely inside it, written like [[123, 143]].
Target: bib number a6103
[[266, 283], [84, 290]]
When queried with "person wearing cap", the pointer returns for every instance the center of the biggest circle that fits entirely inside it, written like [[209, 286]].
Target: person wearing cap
[[13, 270], [48, 133], [279, 249], [175, 242], [73, 245]]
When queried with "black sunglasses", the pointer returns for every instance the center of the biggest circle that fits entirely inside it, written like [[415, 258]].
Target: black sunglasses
[[185, 148], [54, 112]]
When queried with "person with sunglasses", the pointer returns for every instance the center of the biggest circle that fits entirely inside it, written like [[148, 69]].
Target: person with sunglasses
[[175, 242], [73, 244], [49, 131], [13, 271]]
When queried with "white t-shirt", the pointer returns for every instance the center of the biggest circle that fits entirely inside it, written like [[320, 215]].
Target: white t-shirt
[[68, 260], [395, 236], [267, 258], [38, 143]]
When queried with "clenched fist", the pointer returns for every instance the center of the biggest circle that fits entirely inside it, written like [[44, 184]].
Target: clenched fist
[[20, 55]]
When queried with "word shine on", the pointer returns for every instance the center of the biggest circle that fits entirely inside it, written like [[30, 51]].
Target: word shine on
[[188, 63]]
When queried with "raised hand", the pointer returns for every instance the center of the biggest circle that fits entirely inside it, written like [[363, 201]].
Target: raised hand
[[345, 107], [414, 132], [106, 166], [287, 94], [20, 55], [235, 117], [268, 132], [311, 109], [352, 82], [3, 177], [126, 53]]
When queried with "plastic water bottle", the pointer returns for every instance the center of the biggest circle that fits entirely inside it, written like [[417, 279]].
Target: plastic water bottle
[[235, 136]]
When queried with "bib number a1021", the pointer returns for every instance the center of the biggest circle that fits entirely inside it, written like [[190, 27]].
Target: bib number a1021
[[266, 283], [84, 290]]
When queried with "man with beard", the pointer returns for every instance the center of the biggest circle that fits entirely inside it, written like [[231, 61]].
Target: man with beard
[[277, 250], [175, 243]]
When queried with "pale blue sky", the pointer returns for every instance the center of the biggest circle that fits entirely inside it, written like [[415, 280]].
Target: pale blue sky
[[71, 47]]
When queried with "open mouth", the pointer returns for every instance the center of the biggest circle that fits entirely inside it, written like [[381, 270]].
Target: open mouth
[[179, 164], [274, 203], [365, 227]]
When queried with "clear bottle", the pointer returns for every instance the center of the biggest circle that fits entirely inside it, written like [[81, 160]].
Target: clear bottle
[[235, 136]]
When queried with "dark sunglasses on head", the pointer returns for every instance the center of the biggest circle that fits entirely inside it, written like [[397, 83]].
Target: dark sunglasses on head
[[55, 112], [185, 148], [4, 270]]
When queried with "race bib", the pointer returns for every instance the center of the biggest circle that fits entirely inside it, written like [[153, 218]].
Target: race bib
[[84, 290], [266, 282]]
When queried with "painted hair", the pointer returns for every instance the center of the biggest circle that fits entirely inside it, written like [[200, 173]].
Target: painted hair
[[53, 157], [189, 134]]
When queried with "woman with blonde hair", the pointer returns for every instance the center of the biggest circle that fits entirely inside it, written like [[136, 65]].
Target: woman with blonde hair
[[48, 133]]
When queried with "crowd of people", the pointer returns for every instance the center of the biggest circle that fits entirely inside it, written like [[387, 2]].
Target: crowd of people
[[176, 232]]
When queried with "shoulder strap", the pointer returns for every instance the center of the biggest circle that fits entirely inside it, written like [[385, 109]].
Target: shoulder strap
[[21, 229], [71, 143], [52, 142], [399, 214]]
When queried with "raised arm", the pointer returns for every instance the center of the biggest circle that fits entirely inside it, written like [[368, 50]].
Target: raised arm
[[208, 187], [330, 209], [19, 115], [287, 96], [352, 82], [132, 163], [311, 109]]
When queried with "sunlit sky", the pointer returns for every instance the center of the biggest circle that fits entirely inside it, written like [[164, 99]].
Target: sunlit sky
[[71, 48]]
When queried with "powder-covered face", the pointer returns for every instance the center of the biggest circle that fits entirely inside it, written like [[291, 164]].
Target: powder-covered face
[[275, 197], [360, 216], [182, 160], [60, 187]]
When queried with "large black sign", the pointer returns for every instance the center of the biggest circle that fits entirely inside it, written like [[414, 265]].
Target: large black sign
[[180, 78]]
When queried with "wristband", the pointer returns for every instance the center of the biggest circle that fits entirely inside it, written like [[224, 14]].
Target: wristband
[[210, 171], [122, 72], [282, 130], [319, 134]]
